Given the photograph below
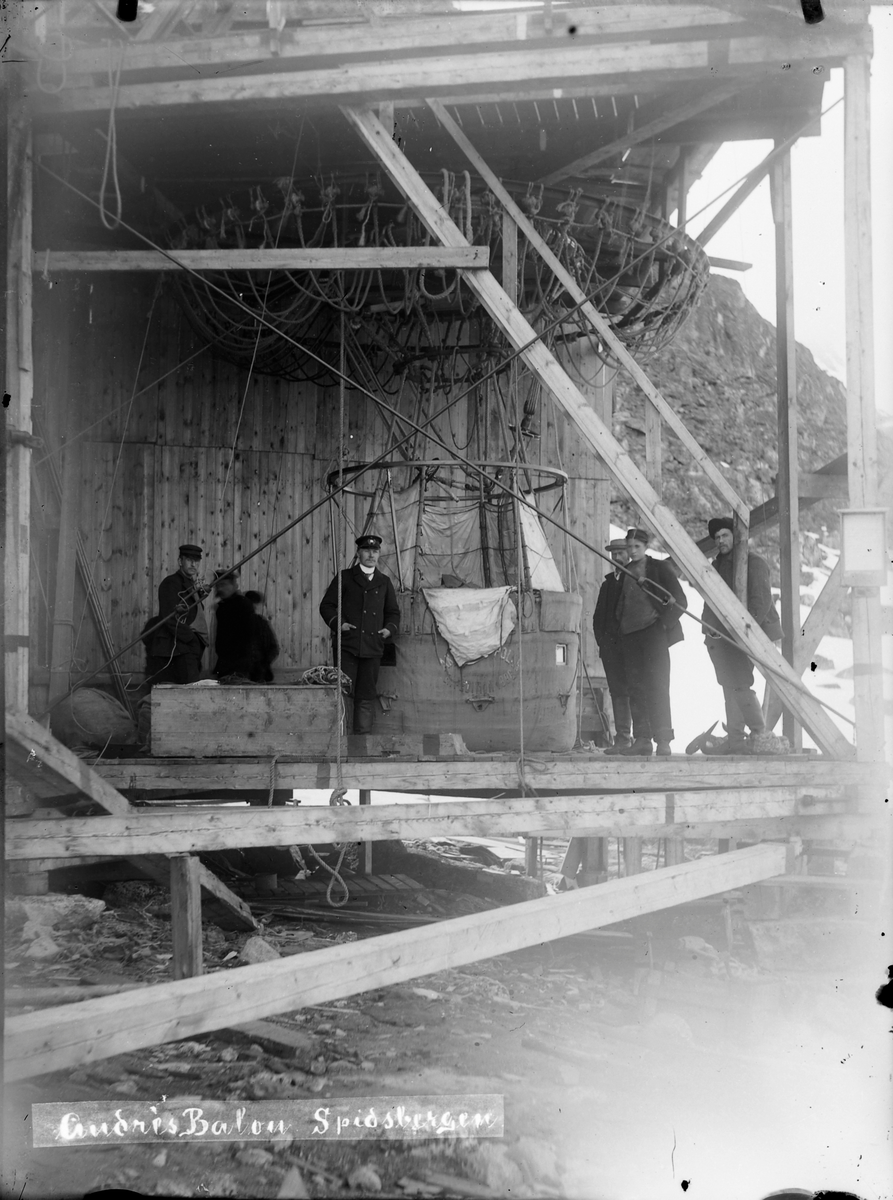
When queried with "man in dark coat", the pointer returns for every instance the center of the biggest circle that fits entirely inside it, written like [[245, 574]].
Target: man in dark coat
[[606, 627], [649, 609], [234, 639], [734, 670], [175, 650], [370, 617]]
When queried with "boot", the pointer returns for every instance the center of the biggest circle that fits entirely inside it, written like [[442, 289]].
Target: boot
[[663, 750], [737, 743], [641, 748], [363, 716], [622, 739]]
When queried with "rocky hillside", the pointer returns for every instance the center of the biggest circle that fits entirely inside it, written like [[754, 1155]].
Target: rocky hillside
[[719, 375]]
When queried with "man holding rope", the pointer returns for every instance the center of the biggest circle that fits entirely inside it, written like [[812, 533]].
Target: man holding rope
[[369, 617], [176, 648]]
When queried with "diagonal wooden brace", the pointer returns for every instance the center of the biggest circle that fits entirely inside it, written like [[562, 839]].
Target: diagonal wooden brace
[[593, 316], [46, 766], [552, 375]]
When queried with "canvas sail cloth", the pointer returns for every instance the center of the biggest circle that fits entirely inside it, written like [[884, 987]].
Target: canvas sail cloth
[[453, 534], [473, 621]]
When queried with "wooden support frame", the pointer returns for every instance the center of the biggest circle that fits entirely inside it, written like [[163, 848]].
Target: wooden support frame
[[62, 649], [491, 74], [550, 373], [816, 625], [862, 448], [786, 384], [650, 129], [472, 30], [20, 386], [599, 323], [49, 768], [62, 1037], [186, 916], [624, 814], [473, 776], [323, 258]]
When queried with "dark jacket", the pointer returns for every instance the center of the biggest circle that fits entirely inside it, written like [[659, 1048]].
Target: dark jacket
[[660, 579], [264, 649], [657, 572], [233, 640], [178, 635], [367, 602], [760, 603], [605, 621]]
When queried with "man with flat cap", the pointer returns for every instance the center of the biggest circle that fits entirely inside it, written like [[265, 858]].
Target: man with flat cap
[[175, 649], [370, 617], [734, 670], [606, 627], [649, 610]]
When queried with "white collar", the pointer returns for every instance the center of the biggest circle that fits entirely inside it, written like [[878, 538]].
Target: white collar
[[370, 571]]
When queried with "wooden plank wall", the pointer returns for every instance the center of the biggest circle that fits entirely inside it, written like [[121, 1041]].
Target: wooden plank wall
[[153, 472]]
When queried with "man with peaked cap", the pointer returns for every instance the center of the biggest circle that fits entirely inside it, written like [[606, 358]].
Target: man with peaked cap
[[370, 617], [606, 627], [734, 670], [649, 610], [175, 650]]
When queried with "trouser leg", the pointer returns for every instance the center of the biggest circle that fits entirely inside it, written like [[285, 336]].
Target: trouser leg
[[617, 686], [751, 709], [636, 669], [658, 653]]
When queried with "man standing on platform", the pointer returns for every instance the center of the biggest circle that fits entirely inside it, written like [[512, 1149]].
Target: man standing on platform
[[734, 670], [370, 617], [606, 627], [175, 650], [651, 604]]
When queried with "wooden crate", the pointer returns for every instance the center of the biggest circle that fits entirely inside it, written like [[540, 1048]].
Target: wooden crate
[[260, 720]]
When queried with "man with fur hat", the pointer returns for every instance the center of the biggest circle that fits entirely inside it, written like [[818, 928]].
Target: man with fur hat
[[175, 650], [734, 670], [370, 617], [606, 628], [649, 609]]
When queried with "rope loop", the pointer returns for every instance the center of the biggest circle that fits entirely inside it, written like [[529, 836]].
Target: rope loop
[[339, 796]]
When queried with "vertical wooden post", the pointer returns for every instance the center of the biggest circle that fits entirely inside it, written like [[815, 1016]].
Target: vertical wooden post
[[531, 856], [632, 856], [509, 256], [186, 916], [653, 460], [62, 649], [20, 386], [682, 187], [862, 454], [366, 868], [787, 485]]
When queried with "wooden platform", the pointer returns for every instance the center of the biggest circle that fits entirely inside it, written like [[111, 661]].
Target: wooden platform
[[482, 774]]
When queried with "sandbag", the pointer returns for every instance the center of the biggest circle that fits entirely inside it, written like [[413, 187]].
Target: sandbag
[[90, 717]]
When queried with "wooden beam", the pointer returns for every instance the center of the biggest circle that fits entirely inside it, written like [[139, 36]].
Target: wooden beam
[[862, 447], [325, 258], [472, 777], [186, 916], [650, 129], [59, 1038], [62, 615], [816, 625], [787, 423], [469, 30], [751, 182], [43, 763], [550, 373], [764, 516], [813, 486], [20, 386], [175, 831], [729, 264], [387, 77], [595, 318]]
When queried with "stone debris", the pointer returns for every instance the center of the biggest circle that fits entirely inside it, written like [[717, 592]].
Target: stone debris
[[257, 950], [36, 914], [364, 1179], [293, 1186], [43, 948]]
